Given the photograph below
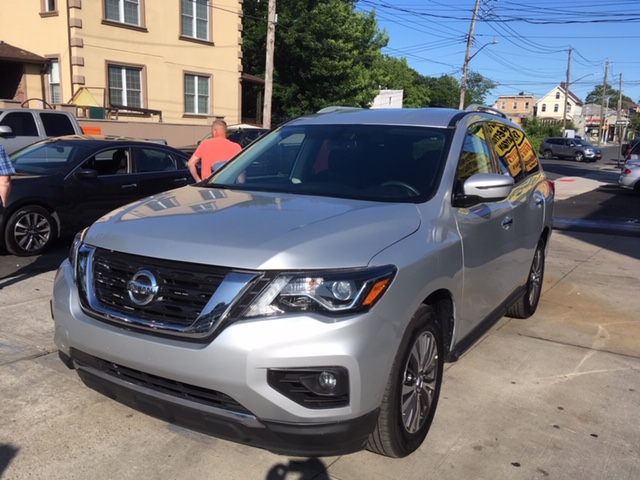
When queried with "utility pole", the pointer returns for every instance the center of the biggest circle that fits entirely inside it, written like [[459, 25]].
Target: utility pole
[[566, 94], [604, 94], [618, 125], [467, 57], [268, 80]]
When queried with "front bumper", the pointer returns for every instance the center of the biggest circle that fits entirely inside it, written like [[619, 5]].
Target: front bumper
[[235, 365], [315, 440]]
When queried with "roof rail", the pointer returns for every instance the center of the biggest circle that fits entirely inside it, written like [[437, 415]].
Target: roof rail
[[474, 107], [336, 108]]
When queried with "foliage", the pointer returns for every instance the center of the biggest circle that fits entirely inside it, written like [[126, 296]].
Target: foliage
[[444, 91], [478, 87], [634, 128], [595, 96], [537, 130], [325, 54], [395, 74]]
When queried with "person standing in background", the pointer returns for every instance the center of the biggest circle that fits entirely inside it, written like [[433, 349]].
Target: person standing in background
[[6, 170], [211, 151]]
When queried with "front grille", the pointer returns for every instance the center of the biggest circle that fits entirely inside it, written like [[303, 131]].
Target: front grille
[[184, 288], [165, 386]]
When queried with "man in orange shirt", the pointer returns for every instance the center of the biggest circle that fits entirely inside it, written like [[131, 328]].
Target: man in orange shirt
[[214, 150]]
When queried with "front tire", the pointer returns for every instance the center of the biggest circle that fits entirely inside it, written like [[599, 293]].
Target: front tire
[[528, 303], [412, 391], [29, 231], [579, 156]]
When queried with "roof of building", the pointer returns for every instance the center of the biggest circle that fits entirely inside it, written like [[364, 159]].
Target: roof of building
[[9, 53], [573, 96]]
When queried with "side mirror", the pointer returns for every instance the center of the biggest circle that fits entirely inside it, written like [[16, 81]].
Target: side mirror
[[6, 130], [484, 187], [85, 173]]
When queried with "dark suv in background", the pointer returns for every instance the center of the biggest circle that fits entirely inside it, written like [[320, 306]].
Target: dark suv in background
[[575, 148]]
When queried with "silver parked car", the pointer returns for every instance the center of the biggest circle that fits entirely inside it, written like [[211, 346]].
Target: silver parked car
[[630, 175], [305, 297]]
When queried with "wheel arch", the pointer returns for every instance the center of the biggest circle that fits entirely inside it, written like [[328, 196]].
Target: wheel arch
[[443, 305]]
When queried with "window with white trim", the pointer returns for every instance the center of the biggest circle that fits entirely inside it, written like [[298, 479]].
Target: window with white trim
[[195, 19], [50, 6], [54, 82], [544, 107], [555, 107], [196, 94], [125, 86], [123, 11]]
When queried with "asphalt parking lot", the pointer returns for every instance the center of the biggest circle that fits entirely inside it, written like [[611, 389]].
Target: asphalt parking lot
[[555, 396]]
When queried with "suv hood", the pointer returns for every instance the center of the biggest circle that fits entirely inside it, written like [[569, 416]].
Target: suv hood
[[255, 230]]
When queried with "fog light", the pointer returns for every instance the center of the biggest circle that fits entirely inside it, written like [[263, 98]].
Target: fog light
[[328, 381], [320, 387]]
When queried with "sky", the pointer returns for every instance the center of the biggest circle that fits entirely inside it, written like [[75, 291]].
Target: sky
[[533, 41]]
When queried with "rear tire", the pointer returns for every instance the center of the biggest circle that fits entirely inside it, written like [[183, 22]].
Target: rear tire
[[29, 231], [528, 303], [411, 395], [547, 154]]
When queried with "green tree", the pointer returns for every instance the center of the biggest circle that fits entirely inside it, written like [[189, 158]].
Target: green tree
[[325, 53], [537, 130], [478, 87], [595, 96], [444, 91], [395, 74]]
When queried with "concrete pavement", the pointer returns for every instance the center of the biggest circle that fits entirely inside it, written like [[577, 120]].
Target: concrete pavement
[[555, 396]]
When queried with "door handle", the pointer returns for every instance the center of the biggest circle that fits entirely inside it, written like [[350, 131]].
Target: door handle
[[180, 180], [130, 185], [539, 201], [507, 222]]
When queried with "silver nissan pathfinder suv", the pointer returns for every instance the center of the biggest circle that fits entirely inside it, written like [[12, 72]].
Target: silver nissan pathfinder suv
[[304, 298]]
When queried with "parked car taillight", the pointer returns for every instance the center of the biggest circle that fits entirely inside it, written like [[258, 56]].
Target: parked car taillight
[[552, 186]]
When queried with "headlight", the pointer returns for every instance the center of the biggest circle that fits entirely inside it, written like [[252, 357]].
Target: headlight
[[589, 151], [336, 291], [73, 252]]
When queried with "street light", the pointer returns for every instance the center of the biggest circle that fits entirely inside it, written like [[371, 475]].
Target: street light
[[566, 96], [465, 70]]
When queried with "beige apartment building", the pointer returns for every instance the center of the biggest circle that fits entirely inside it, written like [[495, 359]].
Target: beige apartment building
[[170, 62], [516, 106]]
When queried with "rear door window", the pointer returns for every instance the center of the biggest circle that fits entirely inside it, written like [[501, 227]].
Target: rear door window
[[506, 150], [527, 153], [56, 125]]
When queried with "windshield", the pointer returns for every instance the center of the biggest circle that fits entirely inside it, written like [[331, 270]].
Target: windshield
[[46, 158], [369, 162], [581, 143]]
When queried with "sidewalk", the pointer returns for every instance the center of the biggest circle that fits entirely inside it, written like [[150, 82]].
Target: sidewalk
[[555, 396]]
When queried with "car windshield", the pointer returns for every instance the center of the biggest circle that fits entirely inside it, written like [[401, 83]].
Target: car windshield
[[368, 162], [46, 158]]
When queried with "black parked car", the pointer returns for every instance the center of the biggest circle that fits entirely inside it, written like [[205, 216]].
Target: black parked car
[[66, 183]]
